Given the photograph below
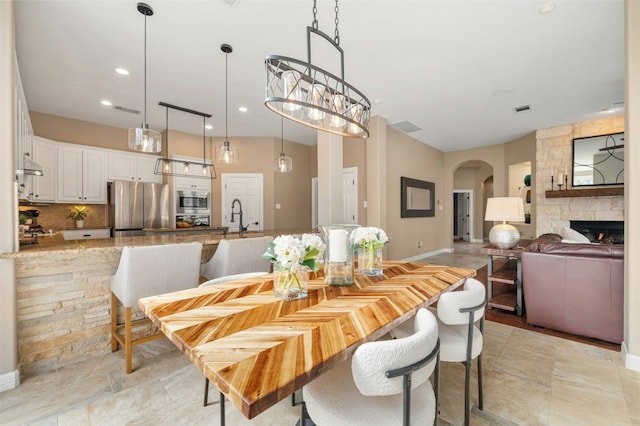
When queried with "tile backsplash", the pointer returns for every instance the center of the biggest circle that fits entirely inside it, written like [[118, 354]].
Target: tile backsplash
[[54, 216]]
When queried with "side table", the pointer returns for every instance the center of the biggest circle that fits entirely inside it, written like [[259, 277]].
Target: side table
[[509, 273]]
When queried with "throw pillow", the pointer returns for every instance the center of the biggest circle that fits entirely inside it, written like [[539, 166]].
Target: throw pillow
[[571, 234]]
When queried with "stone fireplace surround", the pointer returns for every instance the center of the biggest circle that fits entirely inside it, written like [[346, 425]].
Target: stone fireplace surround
[[553, 152], [600, 231]]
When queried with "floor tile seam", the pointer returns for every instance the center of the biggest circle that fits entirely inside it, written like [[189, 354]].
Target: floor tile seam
[[601, 387], [520, 376]]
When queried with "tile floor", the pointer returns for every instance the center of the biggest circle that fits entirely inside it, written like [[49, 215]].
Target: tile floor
[[529, 378]]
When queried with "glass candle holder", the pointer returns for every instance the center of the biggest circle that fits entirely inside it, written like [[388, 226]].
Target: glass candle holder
[[338, 260]]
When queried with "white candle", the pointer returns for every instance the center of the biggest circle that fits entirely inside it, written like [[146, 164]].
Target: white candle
[[337, 245], [560, 178]]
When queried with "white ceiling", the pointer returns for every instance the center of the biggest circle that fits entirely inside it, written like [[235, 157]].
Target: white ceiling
[[456, 69]]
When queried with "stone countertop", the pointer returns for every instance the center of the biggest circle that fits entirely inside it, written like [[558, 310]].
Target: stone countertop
[[56, 242]]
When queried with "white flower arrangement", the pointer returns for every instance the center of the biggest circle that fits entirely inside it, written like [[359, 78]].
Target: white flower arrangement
[[369, 237], [290, 252]]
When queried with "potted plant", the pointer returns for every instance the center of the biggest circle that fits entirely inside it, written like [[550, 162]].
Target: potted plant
[[79, 214]]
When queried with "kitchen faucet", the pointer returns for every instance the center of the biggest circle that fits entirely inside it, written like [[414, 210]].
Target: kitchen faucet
[[233, 203]]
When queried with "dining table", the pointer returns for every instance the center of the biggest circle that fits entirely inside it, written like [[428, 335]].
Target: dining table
[[258, 349]]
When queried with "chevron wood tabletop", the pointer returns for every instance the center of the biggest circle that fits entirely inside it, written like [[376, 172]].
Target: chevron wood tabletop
[[258, 349]]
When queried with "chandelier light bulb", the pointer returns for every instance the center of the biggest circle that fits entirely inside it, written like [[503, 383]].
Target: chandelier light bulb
[[338, 106], [292, 89]]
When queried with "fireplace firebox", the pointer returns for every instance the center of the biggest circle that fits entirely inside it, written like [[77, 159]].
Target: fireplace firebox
[[600, 231]]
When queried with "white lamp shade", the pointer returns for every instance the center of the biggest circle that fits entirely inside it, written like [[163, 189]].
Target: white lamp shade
[[505, 209]]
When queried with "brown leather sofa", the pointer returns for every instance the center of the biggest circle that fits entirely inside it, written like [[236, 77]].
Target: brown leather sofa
[[575, 288]]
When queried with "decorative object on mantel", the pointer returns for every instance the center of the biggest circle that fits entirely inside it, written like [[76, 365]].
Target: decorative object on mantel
[[338, 262], [369, 241], [79, 214], [226, 153], [283, 164], [292, 259], [307, 94], [504, 209], [142, 138], [171, 167]]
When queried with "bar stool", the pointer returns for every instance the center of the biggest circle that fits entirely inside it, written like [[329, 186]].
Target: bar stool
[[236, 257], [148, 271]]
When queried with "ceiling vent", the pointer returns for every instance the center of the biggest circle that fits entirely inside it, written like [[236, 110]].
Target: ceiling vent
[[405, 127], [125, 109], [521, 109]]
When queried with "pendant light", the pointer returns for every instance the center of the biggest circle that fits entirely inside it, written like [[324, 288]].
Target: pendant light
[[171, 167], [283, 164], [307, 94], [142, 138], [226, 153]]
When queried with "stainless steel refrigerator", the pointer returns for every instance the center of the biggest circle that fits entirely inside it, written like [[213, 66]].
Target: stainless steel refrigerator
[[135, 206]]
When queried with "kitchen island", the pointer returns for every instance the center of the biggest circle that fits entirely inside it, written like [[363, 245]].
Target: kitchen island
[[63, 294]]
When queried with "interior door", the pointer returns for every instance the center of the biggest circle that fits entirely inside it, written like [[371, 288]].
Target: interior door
[[461, 206], [350, 194], [248, 188]]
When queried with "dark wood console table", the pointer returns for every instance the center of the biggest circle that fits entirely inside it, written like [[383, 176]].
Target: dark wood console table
[[509, 273]]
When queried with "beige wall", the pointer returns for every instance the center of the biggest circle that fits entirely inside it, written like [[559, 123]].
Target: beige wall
[[292, 191], [410, 158], [631, 344]]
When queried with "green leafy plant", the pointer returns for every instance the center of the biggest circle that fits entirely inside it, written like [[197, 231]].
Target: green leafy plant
[[22, 219], [78, 213]]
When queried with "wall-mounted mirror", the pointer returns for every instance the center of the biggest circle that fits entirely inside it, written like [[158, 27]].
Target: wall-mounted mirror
[[417, 198], [598, 160]]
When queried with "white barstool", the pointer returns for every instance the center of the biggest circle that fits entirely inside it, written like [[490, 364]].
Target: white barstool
[[236, 257], [148, 271], [377, 386]]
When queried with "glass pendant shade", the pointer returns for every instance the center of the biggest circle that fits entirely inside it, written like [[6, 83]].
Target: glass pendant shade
[[144, 139], [292, 91], [316, 98], [227, 154], [283, 164]]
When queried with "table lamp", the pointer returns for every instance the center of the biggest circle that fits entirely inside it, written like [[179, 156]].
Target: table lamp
[[503, 235]]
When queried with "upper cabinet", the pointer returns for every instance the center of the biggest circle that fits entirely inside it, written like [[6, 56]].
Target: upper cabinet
[[23, 132], [45, 153], [82, 175], [132, 167], [188, 182]]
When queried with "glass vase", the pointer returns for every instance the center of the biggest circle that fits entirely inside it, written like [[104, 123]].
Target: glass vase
[[369, 260], [290, 285], [338, 256]]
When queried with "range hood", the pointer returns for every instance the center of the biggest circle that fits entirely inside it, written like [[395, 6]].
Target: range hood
[[30, 167]]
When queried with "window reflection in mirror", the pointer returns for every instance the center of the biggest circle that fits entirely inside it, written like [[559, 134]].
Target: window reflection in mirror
[[598, 160]]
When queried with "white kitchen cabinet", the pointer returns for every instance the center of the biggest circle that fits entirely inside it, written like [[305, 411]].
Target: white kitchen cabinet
[[189, 182], [82, 175], [86, 234], [45, 153], [133, 167]]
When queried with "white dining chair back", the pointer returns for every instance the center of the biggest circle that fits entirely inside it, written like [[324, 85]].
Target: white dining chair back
[[146, 271], [385, 376], [237, 256]]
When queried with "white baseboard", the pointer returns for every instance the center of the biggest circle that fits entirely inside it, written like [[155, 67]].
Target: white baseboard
[[632, 362], [9, 380], [431, 253]]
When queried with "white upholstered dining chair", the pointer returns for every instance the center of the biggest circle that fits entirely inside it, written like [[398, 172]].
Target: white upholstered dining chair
[[149, 271], [378, 385], [461, 340], [237, 256]]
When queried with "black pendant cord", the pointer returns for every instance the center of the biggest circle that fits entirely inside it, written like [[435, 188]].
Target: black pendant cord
[[282, 136], [145, 71], [166, 147], [226, 98], [204, 140]]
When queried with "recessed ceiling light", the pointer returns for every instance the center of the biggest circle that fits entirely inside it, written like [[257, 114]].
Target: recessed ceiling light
[[208, 127], [106, 102], [243, 109], [547, 8], [122, 71]]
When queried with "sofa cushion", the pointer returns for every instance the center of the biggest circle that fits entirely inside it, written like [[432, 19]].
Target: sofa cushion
[[573, 235]]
